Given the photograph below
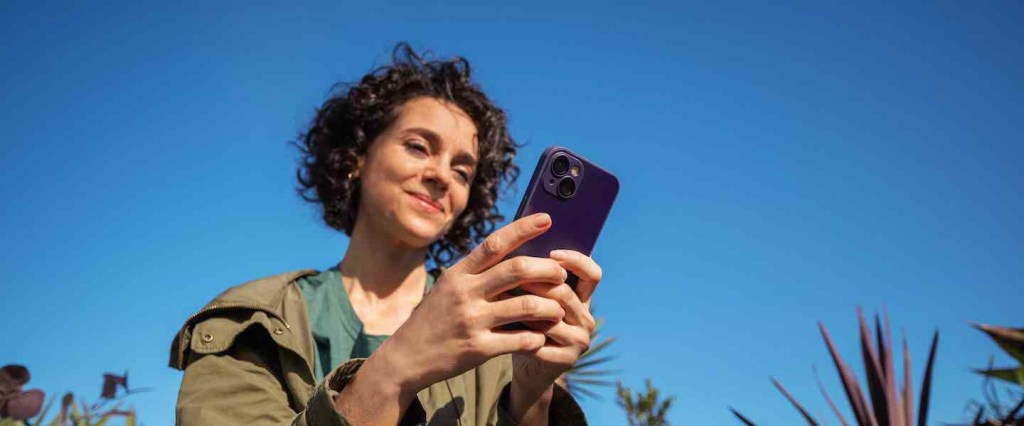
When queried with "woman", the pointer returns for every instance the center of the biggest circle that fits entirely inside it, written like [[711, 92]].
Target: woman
[[409, 163]]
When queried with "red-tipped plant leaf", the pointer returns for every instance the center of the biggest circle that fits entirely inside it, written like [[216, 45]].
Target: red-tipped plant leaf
[[891, 392], [926, 385], [831, 404], [800, 408], [743, 419], [882, 347], [908, 386], [873, 373], [850, 385]]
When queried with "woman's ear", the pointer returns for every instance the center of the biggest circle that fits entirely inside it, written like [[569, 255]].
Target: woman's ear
[[354, 174]]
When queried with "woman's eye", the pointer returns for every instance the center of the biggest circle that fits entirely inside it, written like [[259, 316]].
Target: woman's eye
[[464, 175], [416, 147]]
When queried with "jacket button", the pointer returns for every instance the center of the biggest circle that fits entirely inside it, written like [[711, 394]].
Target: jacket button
[[278, 331], [207, 337]]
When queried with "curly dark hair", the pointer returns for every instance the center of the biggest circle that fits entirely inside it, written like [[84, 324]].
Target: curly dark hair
[[355, 114]]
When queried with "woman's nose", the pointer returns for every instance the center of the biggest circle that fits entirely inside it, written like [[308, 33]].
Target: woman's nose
[[438, 174]]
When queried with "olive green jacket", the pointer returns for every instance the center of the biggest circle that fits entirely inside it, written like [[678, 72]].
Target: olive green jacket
[[248, 359]]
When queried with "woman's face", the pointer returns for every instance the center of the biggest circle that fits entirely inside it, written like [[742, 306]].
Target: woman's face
[[416, 175]]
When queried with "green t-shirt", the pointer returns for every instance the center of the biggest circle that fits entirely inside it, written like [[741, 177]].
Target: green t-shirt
[[338, 334]]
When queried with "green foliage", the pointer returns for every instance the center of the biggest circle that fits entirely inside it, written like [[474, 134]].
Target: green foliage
[[885, 403], [994, 411], [646, 408], [1011, 340]]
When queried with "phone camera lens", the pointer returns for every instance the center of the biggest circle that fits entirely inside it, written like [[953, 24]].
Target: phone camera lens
[[566, 187], [560, 166]]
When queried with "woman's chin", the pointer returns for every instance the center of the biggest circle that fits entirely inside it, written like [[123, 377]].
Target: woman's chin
[[421, 232]]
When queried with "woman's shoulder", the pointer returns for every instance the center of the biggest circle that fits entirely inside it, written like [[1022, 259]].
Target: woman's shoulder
[[264, 291], [235, 309]]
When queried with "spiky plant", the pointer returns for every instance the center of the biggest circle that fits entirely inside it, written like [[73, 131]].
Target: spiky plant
[[888, 405], [587, 373], [1012, 342], [109, 406], [647, 408]]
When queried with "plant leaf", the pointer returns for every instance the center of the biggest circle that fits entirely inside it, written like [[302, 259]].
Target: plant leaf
[[850, 385], [1012, 375], [1010, 339], [1013, 413], [926, 385], [831, 404], [42, 414], [12, 378], [800, 408], [25, 405], [589, 363], [873, 372], [743, 419], [908, 386]]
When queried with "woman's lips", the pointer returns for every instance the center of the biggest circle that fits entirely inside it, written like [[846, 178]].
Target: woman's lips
[[428, 203]]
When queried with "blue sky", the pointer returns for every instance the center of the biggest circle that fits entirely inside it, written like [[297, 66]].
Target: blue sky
[[780, 164]]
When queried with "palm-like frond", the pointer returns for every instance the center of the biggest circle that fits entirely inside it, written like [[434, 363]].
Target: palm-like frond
[[647, 408], [583, 377]]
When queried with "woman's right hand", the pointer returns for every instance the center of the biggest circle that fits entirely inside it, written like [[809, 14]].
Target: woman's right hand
[[457, 326]]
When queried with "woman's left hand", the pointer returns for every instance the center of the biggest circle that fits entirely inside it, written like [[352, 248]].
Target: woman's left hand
[[534, 373]]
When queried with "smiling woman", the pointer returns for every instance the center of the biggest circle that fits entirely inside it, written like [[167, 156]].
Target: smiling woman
[[409, 163]]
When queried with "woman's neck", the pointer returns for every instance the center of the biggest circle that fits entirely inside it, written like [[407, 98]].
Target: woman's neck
[[379, 268]]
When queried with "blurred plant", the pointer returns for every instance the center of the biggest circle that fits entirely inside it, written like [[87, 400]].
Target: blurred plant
[[646, 409], [99, 413], [888, 405], [15, 404], [1012, 342], [993, 411], [586, 374]]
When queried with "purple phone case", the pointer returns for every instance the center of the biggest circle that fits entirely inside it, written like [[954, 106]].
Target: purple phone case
[[575, 222]]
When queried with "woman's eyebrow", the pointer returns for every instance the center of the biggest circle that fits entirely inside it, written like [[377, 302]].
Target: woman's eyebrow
[[463, 157]]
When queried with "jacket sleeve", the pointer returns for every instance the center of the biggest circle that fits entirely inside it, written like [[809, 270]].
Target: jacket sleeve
[[564, 411], [242, 385]]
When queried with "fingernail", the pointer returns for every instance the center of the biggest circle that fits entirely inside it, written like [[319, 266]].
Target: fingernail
[[557, 254], [542, 220]]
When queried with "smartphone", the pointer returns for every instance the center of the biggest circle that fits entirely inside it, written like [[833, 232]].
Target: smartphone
[[577, 194]]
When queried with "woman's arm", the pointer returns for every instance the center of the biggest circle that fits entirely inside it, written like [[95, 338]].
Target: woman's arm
[[243, 385]]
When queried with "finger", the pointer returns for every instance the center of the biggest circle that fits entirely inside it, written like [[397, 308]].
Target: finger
[[584, 267], [496, 343], [518, 270], [502, 242], [524, 308], [576, 313], [563, 356], [566, 335]]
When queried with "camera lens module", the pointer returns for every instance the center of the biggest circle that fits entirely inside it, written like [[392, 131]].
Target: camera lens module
[[560, 166], [566, 187]]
